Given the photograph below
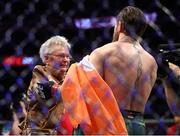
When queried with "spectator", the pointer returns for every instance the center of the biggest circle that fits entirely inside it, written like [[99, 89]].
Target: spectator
[[171, 85], [45, 110]]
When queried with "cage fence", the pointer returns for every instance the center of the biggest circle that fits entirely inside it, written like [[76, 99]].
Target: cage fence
[[25, 25]]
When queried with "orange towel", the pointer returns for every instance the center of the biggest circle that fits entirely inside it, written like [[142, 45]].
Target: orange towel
[[90, 101]]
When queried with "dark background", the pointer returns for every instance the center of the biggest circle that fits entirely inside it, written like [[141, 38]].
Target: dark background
[[25, 25]]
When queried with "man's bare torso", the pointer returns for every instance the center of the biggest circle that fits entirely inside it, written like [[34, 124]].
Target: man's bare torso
[[129, 71]]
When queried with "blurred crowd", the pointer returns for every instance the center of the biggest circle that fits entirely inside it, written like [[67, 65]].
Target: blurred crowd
[[25, 25]]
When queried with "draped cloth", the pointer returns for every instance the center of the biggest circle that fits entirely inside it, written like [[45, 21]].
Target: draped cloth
[[90, 102]]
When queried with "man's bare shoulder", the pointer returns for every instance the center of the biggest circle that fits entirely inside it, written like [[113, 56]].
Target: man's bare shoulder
[[150, 61], [103, 50], [98, 56], [151, 58]]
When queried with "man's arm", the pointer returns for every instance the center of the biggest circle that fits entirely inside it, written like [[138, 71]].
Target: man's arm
[[154, 73], [174, 68], [172, 97]]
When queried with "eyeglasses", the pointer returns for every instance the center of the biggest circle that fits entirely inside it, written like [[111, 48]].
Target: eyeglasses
[[61, 56]]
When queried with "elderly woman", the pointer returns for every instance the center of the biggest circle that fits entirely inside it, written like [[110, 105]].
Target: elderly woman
[[45, 110]]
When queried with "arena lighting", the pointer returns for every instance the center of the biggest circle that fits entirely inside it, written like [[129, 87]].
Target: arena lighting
[[108, 21], [88, 23], [18, 61], [169, 46]]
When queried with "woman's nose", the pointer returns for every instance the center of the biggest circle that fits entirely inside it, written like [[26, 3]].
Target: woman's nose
[[66, 59]]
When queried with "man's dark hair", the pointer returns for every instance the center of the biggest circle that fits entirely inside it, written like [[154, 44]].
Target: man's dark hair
[[133, 20]]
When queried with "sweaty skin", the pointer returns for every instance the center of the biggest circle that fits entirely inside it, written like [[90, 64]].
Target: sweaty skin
[[129, 70]]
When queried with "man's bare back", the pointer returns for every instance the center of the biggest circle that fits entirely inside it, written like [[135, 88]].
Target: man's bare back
[[127, 68], [129, 71]]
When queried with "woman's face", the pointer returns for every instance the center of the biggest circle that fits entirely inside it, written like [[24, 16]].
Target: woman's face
[[58, 61]]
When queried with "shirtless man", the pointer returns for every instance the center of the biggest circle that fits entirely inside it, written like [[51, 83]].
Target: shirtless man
[[127, 68]]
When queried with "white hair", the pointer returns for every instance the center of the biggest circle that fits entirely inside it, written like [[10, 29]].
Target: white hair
[[46, 47]]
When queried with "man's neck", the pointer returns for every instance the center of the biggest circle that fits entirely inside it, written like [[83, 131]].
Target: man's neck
[[125, 38]]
